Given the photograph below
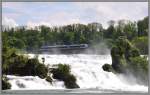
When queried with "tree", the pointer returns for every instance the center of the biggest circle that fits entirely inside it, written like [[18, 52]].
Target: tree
[[110, 31], [130, 30], [143, 27], [16, 43], [142, 44]]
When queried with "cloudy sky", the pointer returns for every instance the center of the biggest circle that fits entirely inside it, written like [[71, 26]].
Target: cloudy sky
[[63, 13]]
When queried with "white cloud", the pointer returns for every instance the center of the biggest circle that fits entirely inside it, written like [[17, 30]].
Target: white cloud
[[79, 12], [105, 11], [32, 24], [59, 19], [9, 22]]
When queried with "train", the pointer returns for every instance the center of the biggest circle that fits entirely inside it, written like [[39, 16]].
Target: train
[[74, 48]]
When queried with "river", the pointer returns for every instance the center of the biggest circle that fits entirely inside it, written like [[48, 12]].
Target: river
[[89, 73]]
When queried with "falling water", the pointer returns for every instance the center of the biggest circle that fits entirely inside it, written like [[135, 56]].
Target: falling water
[[88, 71]]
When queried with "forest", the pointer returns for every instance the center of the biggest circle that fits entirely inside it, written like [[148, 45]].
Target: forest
[[26, 39]]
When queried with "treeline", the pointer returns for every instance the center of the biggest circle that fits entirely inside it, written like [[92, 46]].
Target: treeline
[[26, 39]]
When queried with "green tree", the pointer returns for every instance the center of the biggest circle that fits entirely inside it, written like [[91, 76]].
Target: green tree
[[142, 44], [143, 27]]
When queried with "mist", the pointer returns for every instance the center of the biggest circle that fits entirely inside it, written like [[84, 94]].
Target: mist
[[98, 48]]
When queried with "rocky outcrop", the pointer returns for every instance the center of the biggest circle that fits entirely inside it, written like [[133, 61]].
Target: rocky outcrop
[[63, 73], [126, 58]]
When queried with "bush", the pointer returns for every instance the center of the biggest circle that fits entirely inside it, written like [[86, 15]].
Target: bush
[[142, 44], [63, 73], [132, 52], [17, 65], [60, 72], [70, 81], [14, 64], [5, 83], [8, 56], [30, 66], [41, 70]]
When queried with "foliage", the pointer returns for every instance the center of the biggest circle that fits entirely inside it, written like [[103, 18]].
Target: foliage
[[125, 57], [63, 73], [118, 59], [70, 81], [14, 64], [142, 44], [32, 39], [16, 43], [130, 30], [143, 27], [17, 64], [41, 70]]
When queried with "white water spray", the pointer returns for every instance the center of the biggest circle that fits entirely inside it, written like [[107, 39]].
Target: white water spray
[[87, 69]]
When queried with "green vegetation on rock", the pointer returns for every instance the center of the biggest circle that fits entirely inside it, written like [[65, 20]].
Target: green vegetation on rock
[[126, 57], [41, 70], [13, 64], [63, 73], [142, 44], [70, 81]]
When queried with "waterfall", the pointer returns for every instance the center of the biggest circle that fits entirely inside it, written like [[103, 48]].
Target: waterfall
[[88, 71]]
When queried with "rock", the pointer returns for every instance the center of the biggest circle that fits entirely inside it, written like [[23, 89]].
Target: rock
[[49, 79], [121, 54], [63, 73], [107, 67], [20, 85], [118, 60], [5, 84], [126, 58]]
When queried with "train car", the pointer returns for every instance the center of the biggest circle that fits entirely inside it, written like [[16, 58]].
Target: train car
[[74, 48]]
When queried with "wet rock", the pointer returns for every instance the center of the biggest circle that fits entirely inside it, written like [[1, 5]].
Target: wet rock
[[20, 85], [49, 79], [5, 84], [107, 67]]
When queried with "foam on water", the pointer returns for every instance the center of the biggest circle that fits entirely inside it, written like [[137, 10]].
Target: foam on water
[[88, 71], [33, 83]]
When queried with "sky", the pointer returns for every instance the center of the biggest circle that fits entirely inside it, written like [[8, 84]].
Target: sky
[[63, 13]]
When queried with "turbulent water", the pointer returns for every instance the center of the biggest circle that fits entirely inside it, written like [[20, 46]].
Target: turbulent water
[[88, 71]]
